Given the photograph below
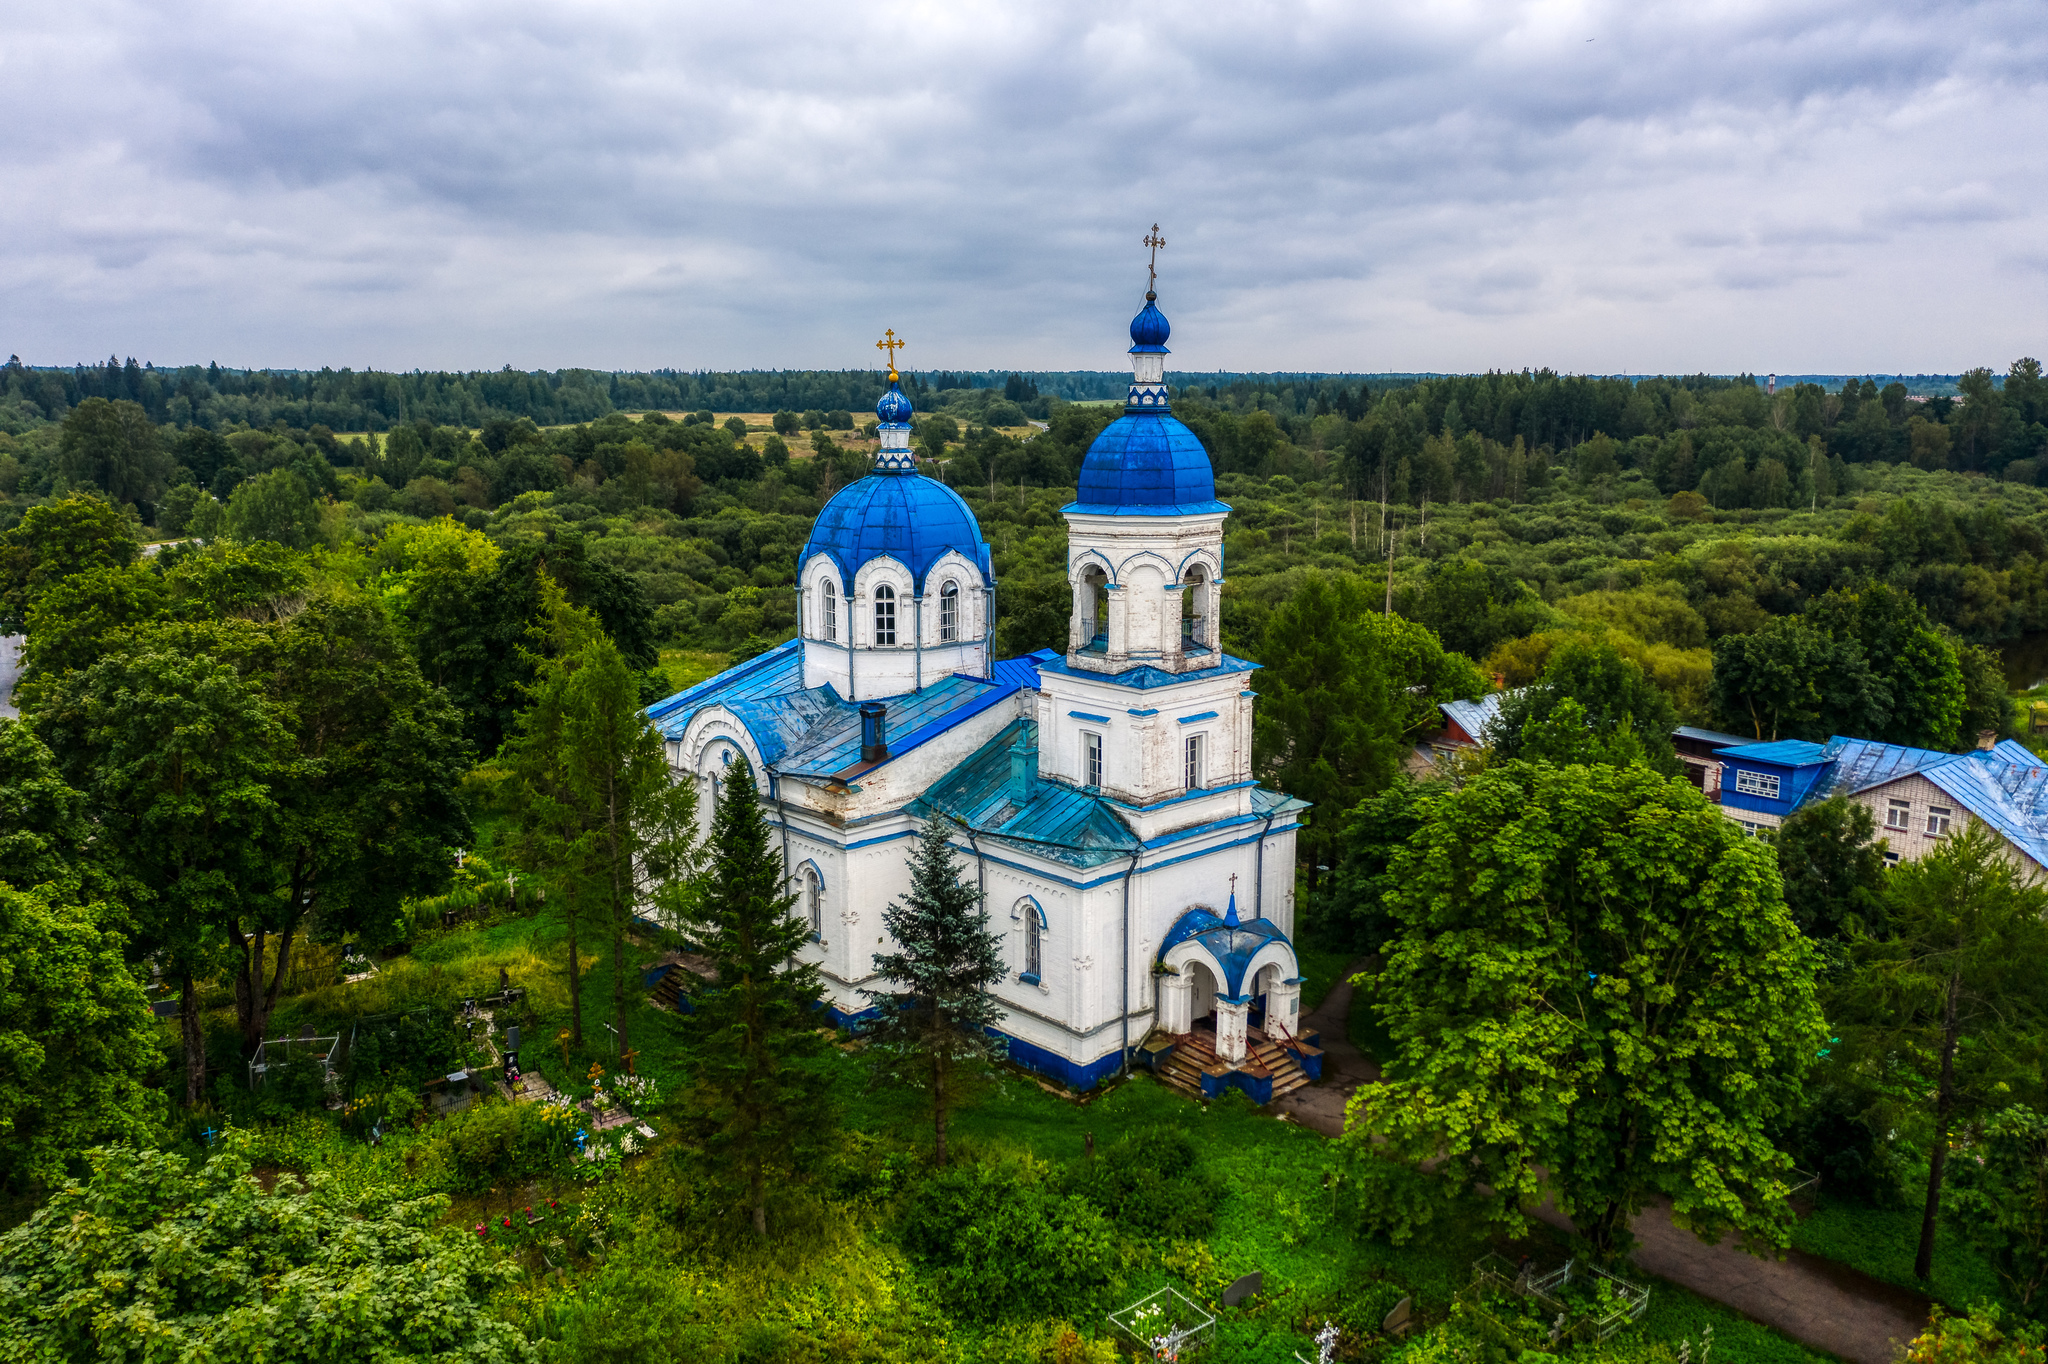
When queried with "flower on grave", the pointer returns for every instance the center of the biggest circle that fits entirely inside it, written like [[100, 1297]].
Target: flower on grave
[[627, 1146], [482, 1230], [508, 1223]]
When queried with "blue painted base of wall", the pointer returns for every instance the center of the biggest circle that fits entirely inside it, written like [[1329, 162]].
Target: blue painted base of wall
[[1052, 1065], [842, 1019]]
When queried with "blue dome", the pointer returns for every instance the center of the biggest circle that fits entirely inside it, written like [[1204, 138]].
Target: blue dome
[[1149, 329], [904, 516], [894, 407], [1147, 464]]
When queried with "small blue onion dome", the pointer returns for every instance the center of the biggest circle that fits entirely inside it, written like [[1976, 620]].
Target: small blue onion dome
[[1149, 329], [894, 407], [1147, 464], [903, 516]]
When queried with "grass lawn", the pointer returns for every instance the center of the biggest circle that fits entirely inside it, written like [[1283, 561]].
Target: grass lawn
[[1881, 1242]]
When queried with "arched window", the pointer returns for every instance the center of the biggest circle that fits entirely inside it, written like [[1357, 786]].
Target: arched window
[[885, 614], [814, 902], [1194, 608], [1094, 609], [1034, 943], [949, 613], [830, 596]]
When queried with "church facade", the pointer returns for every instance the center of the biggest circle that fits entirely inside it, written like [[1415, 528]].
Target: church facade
[[1103, 797]]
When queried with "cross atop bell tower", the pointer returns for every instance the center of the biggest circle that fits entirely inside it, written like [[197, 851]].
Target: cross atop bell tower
[[891, 344], [1155, 241]]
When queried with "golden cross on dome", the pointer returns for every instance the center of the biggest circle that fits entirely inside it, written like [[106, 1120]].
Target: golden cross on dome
[[890, 344], [1155, 241]]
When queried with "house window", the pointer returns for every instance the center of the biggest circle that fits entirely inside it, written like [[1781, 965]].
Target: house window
[[814, 903], [1091, 759], [1754, 830], [949, 613], [1192, 763], [1034, 944], [1759, 784], [830, 628], [1898, 814], [885, 614], [1937, 820], [1891, 860]]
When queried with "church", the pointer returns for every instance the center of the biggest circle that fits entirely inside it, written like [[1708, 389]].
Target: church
[[1102, 797]]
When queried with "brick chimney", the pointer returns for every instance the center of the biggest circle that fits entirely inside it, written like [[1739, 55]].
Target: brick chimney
[[1023, 771], [874, 732], [1986, 739]]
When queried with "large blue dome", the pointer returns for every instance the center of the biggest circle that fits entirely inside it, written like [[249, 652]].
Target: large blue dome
[[905, 516], [1147, 464]]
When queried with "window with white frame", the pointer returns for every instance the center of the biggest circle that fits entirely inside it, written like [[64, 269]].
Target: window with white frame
[[949, 613], [1937, 820], [828, 595], [814, 902], [1898, 814], [1755, 830], [1091, 760], [885, 614], [1191, 763], [1760, 784]]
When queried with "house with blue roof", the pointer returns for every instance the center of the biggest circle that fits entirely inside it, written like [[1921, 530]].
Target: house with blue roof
[[1916, 796], [1102, 796]]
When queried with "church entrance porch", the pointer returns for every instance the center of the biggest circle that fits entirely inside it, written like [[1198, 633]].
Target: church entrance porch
[[1267, 1071], [1229, 1006]]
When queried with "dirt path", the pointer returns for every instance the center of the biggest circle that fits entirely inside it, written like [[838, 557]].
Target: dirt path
[[1814, 1301]]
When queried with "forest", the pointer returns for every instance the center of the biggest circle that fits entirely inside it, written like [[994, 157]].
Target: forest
[[330, 739]]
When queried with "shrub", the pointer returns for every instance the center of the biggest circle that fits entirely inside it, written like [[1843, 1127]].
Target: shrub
[[491, 1144], [1003, 1241], [1150, 1185]]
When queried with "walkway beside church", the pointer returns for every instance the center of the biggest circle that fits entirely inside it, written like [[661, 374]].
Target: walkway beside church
[[1817, 1302]]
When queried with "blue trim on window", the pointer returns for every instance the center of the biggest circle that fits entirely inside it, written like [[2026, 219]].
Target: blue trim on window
[[1192, 719], [1027, 978], [1141, 713], [1084, 715]]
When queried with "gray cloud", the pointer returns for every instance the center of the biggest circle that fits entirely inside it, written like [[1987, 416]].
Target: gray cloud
[[457, 183]]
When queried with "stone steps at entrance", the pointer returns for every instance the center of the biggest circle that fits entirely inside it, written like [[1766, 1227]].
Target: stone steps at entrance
[[1194, 1056]]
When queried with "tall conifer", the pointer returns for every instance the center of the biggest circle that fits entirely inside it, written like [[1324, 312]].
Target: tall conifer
[[932, 1032], [759, 1109]]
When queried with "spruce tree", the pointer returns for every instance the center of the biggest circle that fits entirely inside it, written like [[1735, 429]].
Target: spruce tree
[[758, 1108], [932, 1032]]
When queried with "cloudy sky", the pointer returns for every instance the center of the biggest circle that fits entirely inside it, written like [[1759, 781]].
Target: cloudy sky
[[1803, 185]]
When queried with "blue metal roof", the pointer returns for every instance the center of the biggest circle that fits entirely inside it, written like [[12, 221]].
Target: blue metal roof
[[1475, 717], [1232, 942], [2010, 798], [1711, 736], [1147, 464], [830, 747], [902, 515], [1023, 671], [779, 670], [1144, 675], [1782, 753], [1860, 764], [1062, 822], [1149, 329]]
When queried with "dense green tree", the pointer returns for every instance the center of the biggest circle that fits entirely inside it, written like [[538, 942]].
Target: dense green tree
[[44, 833], [2001, 1202], [1832, 863], [595, 802], [1350, 913], [77, 1043], [115, 447], [1793, 680], [178, 753], [931, 1029], [1612, 703], [1919, 666], [759, 1109], [309, 1271], [1343, 692], [1595, 977], [275, 506], [51, 543], [1943, 1014]]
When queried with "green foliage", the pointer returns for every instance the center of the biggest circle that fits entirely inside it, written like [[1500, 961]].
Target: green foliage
[[931, 1028], [2001, 1203], [1151, 1186], [1001, 1241], [275, 506], [1940, 1016], [493, 1144], [759, 1111], [302, 1273], [1590, 705], [115, 447], [43, 829], [51, 543], [1832, 864], [76, 1042], [1595, 975], [1350, 910], [1975, 1339]]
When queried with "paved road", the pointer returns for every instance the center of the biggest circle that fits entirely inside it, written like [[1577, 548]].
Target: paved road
[[10, 671], [1818, 1302]]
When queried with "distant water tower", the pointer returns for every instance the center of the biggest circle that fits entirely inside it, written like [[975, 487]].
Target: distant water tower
[[1771, 388]]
